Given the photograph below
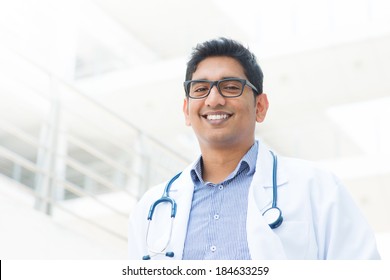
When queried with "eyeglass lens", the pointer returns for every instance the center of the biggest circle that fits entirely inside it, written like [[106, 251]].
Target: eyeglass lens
[[228, 88]]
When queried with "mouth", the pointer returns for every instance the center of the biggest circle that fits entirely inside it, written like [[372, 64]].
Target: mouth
[[217, 116]]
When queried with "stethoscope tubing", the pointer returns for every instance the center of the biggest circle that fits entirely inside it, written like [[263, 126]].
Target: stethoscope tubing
[[165, 198], [274, 180]]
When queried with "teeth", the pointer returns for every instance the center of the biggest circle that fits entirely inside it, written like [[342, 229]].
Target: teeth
[[217, 117]]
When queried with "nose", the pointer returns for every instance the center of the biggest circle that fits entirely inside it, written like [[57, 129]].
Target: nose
[[214, 98]]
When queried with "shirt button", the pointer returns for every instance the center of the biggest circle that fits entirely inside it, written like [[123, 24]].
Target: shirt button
[[216, 217], [213, 248], [220, 187]]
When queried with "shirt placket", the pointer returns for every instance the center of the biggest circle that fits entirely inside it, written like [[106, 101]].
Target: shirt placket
[[215, 220]]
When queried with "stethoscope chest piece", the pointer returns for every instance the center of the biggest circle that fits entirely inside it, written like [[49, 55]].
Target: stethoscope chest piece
[[273, 217]]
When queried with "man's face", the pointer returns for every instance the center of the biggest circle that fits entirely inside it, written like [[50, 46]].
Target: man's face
[[222, 122]]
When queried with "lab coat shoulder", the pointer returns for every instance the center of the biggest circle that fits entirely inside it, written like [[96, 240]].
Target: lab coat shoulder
[[137, 223], [337, 225], [309, 177], [181, 192]]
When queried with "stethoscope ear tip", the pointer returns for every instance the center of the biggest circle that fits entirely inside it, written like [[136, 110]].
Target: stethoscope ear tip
[[170, 254], [146, 258]]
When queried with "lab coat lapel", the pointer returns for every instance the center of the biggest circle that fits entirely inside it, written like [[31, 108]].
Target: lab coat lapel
[[262, 241], [182, 191]]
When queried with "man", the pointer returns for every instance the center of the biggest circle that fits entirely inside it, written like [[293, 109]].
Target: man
[[217, 207]]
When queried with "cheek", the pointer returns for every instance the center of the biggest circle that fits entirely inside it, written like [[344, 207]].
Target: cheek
[[190, 110], [188, 119], [249, 107], [250, 113], [186, 112]]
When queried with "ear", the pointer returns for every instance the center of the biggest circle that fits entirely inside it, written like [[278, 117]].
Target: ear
[[186, 111], [261, 107]]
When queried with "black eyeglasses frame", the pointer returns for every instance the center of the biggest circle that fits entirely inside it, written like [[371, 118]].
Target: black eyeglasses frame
[[244, 83]]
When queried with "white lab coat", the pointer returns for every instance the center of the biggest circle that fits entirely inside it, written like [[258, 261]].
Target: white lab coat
[[321, 221]]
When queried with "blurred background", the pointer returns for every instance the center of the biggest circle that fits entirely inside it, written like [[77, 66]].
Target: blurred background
[[91, 107]]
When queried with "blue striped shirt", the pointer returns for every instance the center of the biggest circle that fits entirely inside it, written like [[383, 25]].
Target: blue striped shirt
[[217, 222]]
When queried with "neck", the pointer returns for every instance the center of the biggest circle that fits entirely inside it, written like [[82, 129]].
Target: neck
[[219, 163]]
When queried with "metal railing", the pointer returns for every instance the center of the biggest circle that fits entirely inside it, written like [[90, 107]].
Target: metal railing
[[66, 147]]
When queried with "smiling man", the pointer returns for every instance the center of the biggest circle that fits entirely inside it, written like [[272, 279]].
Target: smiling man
[[239, 200]]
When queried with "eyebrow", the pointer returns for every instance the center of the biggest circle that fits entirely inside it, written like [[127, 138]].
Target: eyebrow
[[227, 77]]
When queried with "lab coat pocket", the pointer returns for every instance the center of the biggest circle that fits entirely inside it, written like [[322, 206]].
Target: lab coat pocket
[[296, 239]]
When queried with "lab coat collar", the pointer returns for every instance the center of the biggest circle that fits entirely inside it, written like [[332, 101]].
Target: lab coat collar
[[182, 190], [263, 177], [266, 245], [264, 167]]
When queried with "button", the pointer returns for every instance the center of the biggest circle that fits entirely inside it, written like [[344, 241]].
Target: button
[[213, 248], [220, 187], [216, 217]]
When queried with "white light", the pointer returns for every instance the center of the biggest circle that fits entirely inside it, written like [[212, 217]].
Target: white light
[[366, 123]]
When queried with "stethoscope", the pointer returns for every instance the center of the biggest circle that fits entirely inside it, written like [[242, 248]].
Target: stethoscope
[[272, 215]]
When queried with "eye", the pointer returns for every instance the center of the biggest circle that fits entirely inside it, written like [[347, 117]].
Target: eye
[[201, 89], [231, 86]]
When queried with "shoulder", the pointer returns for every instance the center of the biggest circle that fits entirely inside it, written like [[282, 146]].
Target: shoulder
[[304, 168], [156, 192], [152, 194], [298, 174], [308, 174]]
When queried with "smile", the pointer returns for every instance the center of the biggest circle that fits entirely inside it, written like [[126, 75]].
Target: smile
[[217, 116]]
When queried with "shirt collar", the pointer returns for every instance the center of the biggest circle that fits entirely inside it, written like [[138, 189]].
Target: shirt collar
[[248, 160]]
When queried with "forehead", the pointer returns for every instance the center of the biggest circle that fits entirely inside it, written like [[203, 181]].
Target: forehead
[[218, 67]]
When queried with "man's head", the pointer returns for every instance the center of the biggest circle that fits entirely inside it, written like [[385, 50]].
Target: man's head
[[222, 105], [229, 48]]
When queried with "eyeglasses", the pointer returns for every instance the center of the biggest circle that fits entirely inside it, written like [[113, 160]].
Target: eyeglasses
[[229, 87]]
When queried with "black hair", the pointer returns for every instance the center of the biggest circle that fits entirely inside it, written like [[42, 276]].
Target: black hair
[[230, 48]]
